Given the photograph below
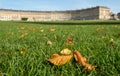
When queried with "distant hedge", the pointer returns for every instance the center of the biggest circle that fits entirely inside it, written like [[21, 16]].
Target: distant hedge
[[24, 19]]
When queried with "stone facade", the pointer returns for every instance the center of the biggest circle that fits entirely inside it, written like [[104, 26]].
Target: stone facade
[[114, 17], [94, 13], [118, 15]]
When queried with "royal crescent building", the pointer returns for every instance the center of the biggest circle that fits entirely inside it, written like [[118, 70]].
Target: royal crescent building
[[93, 13]]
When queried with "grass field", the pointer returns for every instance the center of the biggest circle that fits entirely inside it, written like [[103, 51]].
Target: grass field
[[24, 48]]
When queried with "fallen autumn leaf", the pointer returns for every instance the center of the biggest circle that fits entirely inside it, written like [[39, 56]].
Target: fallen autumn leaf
[[83, 61], [61, 59]]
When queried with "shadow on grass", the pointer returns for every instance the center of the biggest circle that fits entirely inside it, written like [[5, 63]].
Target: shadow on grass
[[76, 23]]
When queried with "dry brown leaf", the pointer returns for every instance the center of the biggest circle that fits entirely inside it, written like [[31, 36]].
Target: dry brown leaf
[[44, 35], [41, 30], [99, 28], [22, 27], [23, 51], [52, 29], [31, 28], [49, 42], [82, 60], [69, 41], [111, 42], [1, 74], [55, 36], [103, 37], [119, 34], [23, 35], [61, 59]]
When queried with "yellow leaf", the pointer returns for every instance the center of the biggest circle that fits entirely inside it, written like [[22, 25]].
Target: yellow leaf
[[52, 29], [49, 42], [64, 57], [41, 30], [111, 41], [60, 59], [66, 52]]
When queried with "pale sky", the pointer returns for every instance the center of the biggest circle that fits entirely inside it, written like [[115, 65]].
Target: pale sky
[[53, 5]]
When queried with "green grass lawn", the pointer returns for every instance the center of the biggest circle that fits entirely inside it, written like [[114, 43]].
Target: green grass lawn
[[24, 48]]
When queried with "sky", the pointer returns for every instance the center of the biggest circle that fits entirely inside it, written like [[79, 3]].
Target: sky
[[54, 5]]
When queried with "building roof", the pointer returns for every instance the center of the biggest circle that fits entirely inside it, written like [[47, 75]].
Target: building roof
[[54, 11]]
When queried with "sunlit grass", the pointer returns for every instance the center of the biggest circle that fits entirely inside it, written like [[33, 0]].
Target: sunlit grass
[[24, 48]]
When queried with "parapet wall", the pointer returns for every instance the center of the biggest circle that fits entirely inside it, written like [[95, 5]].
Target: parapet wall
[[93, 13]]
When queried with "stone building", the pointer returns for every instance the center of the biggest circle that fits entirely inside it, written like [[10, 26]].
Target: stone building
[[114, 17], [93, 13], [118, 15]]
